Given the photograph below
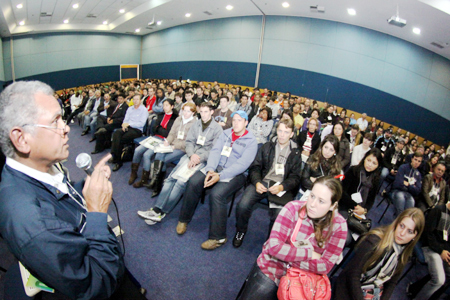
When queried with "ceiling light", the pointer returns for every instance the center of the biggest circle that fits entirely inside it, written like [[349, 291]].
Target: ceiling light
[[187, 15], [229, 7], [159, 23], [66, 21], [22, 23], [351, 11], [137, 30], [285, 4], [105, 22], [416, 30], [19, 6], [122, 11], [75, 5]]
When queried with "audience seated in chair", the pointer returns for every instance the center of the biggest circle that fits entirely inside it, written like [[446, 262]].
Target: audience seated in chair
[[113, 121], [132, 126], [199, 141], [229, 158], [277, 161]]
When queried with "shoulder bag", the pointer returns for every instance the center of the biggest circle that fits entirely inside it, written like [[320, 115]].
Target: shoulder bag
[[299, 284]]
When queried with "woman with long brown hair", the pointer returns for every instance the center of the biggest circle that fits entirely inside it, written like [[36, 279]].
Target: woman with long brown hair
[[318, 244], [380, 258]]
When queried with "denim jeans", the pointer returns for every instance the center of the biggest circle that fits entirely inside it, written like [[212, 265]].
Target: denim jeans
[[383, 175], [218, 200], [439, 271], [258, 286], [169, 157], [244, 208], [145, 154], [402, 200], [172, 190]]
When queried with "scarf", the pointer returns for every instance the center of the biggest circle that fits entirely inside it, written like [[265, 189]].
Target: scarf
[[384, 269], [365, 184]]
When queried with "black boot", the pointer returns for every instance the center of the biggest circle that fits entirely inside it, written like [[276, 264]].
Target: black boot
[[156, 168], [159, 183]]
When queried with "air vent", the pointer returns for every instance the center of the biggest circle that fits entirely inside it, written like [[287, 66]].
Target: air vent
[[91, 16], [440, 45], [46, 14], [317, 8], [207, 13]]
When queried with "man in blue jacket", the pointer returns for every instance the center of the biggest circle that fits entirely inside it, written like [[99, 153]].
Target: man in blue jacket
[[57, 232], [407, 184], [229, 158]]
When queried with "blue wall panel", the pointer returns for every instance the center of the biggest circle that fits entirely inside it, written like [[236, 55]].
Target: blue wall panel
[[357, 97], [227, 72], [77, 77], [316, 86]]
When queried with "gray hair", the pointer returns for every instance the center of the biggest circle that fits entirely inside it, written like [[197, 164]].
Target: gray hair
[[17, 108]]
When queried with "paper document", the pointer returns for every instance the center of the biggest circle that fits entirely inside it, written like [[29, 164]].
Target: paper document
[[150, 142]]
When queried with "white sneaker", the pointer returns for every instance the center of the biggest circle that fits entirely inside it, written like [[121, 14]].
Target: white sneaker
[[157, 217], [146, 214], [150, 222], [71, 121]]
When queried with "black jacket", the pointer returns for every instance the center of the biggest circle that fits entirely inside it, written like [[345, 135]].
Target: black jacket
[[306, 182], [387, 159], [350, 186], [315, 143], [158, 129], [119, 115], [264, 160]]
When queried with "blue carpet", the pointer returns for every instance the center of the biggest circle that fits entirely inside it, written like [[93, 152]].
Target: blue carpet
[[175, 267]]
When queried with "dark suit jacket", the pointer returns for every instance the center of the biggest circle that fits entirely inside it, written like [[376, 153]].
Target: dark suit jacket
[[91, 104], [119, 115], [112, 106]]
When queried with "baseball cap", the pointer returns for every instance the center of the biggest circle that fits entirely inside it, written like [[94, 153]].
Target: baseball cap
[[241, 113]]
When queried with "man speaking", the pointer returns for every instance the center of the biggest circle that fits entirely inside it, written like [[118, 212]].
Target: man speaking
[[57, 232]]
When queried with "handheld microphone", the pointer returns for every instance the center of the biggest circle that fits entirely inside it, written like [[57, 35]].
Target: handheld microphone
[[84, 162]]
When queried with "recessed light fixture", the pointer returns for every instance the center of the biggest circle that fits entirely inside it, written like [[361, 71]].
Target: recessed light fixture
[[105, 22], [22, 23], [66, 21], [285, 4], [75, 5], [416, 30], [19, 6], [229, 7], [351, 11], [122, 11], [159, 23], [138, 30], [187, 15]]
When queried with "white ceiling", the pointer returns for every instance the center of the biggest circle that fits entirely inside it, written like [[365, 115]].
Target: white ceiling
[[431, 16]]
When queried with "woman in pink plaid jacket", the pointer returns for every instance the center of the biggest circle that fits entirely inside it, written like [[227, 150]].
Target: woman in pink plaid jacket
[[319, 242]]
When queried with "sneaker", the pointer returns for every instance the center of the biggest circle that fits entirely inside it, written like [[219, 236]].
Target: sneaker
[[71, 122], [213, 244], [146, 214], [157, 217], [150, 222], [181, 228], [238, 239]]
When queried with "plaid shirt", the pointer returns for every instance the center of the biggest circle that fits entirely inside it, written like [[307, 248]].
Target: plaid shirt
[[278, 252]]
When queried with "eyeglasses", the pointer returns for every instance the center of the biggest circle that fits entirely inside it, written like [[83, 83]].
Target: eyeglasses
[[63, 130]]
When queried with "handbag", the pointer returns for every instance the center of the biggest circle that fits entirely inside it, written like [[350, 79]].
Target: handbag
[[299, 284], [356, 224]]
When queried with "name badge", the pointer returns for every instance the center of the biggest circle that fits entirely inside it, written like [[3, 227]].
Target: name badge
[[357, 197], [383, 148], [411, 180], [226, 151], [329, 118], [279, 169], [201, 140], [434, 191], [445, 235], [394, 160], [225, 119], [180, 135]]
